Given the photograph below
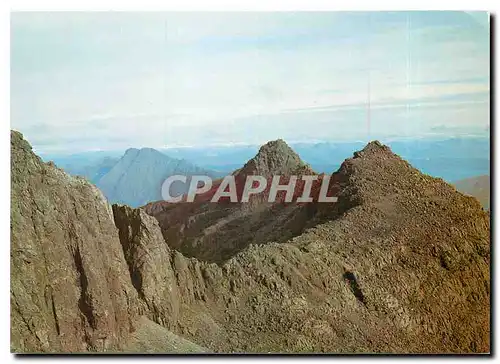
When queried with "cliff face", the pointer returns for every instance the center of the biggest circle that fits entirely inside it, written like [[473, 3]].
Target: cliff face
[[148, 258], [70, 287]]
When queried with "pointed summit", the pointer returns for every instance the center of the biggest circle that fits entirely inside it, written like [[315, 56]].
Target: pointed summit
[[137, 177], [275, 158], [275, 145], [131, 151], [373, 147]]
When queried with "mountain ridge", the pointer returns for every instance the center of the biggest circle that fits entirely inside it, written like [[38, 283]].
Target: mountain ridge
[[274, 158], [399, 264], [393, 237]]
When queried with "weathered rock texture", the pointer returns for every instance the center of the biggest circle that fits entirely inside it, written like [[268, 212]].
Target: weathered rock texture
[[70, 287], [148, 258], [275, 158], [152, 338], [214, 232], [400, 264]]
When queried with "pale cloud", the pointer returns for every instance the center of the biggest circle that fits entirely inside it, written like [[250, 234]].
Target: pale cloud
[[161, 79]]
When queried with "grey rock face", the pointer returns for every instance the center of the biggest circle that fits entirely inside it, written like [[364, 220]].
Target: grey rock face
[[70, 288], [149, 261]]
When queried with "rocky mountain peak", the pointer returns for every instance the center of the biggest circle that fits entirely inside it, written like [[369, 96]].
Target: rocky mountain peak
[[17, 141], [373, 147], [143, 153], [277, 145], [79, 284], [274, 158], [131, 151]]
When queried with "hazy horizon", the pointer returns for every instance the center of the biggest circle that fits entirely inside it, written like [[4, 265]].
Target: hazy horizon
[[109, 81]]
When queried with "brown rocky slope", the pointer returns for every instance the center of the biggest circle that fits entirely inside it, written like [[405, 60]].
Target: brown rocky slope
[[399, 264], [216, 231]]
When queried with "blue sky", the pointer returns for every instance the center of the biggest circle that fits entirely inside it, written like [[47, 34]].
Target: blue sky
[[90, 81]]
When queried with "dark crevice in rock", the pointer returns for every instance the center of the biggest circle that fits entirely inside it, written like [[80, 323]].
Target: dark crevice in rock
[[351, 280], [84, 303], [126, 237], [29, 326], [54, 313], [136, 279]]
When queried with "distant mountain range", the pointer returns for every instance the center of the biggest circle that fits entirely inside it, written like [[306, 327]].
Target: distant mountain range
[[95, 172], [92, 164], [136, 178], [452, 159]]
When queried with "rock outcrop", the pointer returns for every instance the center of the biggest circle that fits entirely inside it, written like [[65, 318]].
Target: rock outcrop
[[148, 258], [275, 158], [214, 232], [70, 287], [75, 282]]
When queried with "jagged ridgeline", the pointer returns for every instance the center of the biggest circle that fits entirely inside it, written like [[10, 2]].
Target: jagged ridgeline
[[399, 264]]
